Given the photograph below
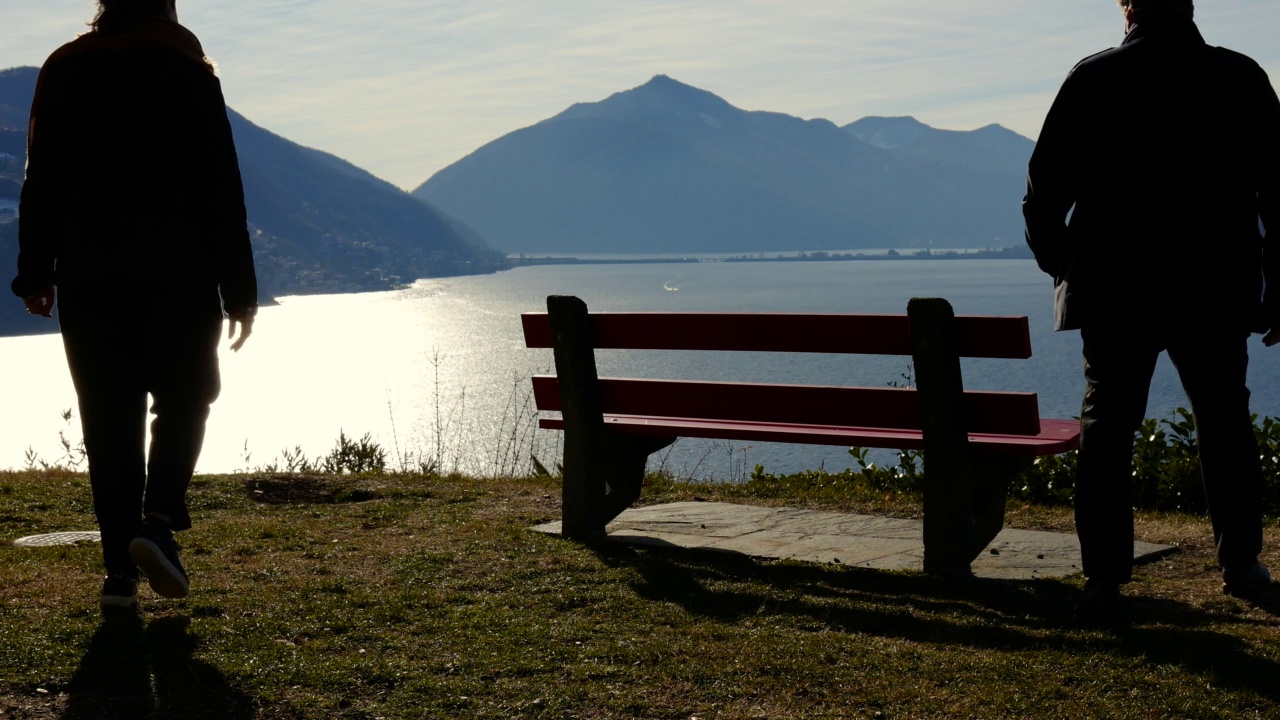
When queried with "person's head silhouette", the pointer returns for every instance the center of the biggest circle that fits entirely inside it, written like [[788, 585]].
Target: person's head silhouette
[[113, 13]]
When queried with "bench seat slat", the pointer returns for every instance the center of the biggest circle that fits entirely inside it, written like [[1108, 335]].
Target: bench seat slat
[[1003, 413], [1056, 436], [849, 333]]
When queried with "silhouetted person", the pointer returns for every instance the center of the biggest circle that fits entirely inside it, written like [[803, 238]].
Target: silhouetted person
[[1165, 154], [133, 209]]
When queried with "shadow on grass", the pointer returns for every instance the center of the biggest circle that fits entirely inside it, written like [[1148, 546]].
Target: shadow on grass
[[1268, 600], [132, 671], [997, 615]]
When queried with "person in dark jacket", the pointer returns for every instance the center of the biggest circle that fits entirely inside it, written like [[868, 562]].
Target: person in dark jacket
[[1157, 163], [133, 209]]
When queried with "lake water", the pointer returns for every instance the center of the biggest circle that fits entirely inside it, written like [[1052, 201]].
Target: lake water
[[439, 370]]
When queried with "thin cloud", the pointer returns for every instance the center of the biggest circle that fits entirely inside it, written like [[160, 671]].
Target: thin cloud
[[405, 87]]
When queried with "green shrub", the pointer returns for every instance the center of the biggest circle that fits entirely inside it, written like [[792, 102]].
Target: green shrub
[[1267, 433], [1050, 481], [906, 476], [1166, 465], [355, 456], [1166, 469]]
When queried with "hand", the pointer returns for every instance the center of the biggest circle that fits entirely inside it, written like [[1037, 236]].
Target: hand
[[1272, 337], [245, 321], [41, 303]]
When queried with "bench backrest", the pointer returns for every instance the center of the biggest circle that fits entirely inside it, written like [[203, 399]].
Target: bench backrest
[[888, 334], [1010, 413]]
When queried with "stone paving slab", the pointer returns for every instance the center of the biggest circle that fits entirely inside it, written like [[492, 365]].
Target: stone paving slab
[[59, 538], [858, 540]]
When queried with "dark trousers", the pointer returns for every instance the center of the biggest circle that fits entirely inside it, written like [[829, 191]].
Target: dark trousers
[[116, 360], [1118, 364]]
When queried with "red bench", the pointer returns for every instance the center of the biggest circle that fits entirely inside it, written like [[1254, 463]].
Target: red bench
[[974, 442]]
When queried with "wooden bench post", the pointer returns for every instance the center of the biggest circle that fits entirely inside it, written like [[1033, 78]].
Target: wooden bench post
[[948, 472], [583, 418], [603, 472], [965, 493]]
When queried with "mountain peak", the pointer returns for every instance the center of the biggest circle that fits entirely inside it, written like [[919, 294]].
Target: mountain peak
[[894, 120], [662, 95], [661, 80], [996, 130], [888, 133], [666, 84]]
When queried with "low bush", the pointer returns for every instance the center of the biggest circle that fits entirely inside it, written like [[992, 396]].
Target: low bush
[[355, 456], [1166, 469]]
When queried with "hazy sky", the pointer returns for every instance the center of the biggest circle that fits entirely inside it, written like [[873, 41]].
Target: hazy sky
[[403, 88]]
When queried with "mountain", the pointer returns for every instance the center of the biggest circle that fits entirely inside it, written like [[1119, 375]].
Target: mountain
[[17, 87], [13, 131], [992, 149], [13, 147], [322, 224], [318, 223], [666, 167]]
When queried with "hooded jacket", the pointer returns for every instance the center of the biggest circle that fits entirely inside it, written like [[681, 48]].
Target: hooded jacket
[[132, 185], [1165, 154]]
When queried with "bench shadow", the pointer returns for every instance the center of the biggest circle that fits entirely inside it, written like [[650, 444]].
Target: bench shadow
[[132, 670], [1007, 615]]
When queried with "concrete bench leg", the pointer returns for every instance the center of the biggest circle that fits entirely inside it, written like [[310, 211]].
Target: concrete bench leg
[[964, 496], [603, 475], [603, 472], [992, 475]]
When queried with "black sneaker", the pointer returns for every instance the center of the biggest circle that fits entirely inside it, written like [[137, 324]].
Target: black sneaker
[[119, 592], [1100, 604], [1246, 581], [156, 553]]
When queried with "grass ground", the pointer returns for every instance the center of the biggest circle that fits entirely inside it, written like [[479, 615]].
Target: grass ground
[[417, 597]]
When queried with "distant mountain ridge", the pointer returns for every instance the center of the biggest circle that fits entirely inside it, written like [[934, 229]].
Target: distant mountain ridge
[[991, 148], [667, 167], [19, 86], [318, 223]]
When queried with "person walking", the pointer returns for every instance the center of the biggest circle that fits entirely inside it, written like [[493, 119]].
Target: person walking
[[132, 219], [1157, 164]]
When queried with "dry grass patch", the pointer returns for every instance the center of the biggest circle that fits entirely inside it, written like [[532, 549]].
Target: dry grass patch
[[425, 597]]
